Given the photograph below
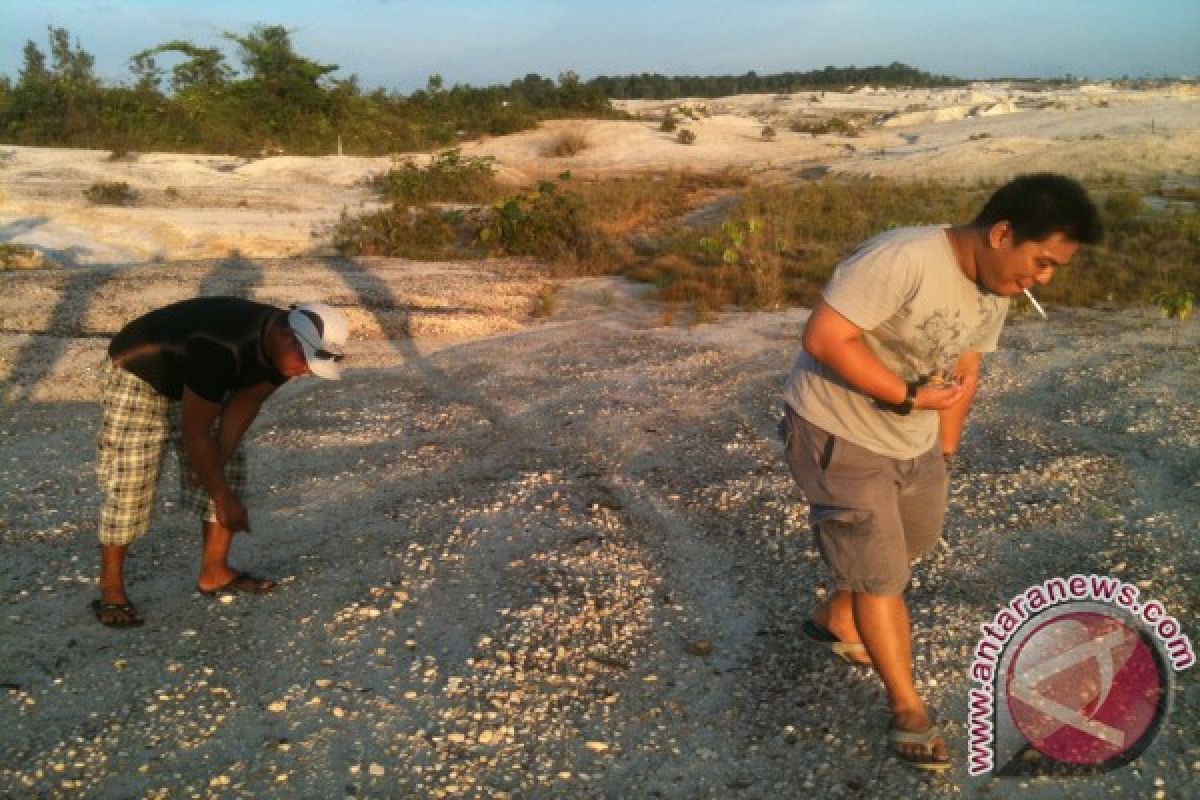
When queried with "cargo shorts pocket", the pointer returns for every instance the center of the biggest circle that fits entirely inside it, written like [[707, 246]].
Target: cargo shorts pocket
[[836, 521]]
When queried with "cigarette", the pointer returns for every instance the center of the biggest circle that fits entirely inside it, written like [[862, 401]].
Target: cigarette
[[1036, 304]]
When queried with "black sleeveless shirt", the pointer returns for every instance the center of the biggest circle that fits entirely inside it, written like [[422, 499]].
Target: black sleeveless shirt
[[211, 345]]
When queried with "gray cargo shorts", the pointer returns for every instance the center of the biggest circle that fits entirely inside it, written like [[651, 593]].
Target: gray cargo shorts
[[872, 515]]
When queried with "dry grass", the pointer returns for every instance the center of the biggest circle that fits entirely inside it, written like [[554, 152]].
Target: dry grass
[[566, 143], [800, 234], [779, 246]]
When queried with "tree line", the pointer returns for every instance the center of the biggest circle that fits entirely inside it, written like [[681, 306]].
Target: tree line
[[659, 87], [280, 101], [185, 97]]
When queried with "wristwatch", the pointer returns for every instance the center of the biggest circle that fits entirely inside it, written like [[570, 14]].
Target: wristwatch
[[904, 407]]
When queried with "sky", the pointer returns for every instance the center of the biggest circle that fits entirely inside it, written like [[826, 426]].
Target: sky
[[397, 44]]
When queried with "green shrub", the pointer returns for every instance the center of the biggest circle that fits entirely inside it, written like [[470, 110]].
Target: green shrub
[[836, 124], [449, 177], [668, 123], [111, 193], [427, 234], [1175, 304], [768, 133], [544, 222], [686, 136]]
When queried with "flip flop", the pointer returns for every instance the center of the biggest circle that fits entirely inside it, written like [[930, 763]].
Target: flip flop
[[924, 739], [242, 582], [129, 616], [843, 650]]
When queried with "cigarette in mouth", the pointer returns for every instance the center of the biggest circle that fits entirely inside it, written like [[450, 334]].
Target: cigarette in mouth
[[1036, 304]]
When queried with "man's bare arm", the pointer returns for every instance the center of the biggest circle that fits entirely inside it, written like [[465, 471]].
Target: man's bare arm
[[838, 344], [207, 464], [953, 419], [239, 413]]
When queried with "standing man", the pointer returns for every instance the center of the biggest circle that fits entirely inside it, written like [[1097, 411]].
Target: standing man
[[876, 404], [195, 374]]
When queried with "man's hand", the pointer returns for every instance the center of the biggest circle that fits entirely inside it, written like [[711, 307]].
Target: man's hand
[[937, 398]]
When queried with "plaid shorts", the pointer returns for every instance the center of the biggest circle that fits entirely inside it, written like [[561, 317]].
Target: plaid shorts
[[139, 424]]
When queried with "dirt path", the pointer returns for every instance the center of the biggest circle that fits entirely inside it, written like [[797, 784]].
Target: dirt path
[[563, 560]]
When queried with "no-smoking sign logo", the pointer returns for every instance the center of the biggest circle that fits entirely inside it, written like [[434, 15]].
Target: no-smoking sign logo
[[1085, 689]]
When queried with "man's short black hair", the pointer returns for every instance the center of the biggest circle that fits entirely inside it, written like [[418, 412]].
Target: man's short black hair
[[1041, 205]]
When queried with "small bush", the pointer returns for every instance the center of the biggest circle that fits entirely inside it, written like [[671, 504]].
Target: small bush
[[768, 134], [835, 124], [545, 304], [686, 136], [545, 222], [567, 143], [1175, 304], [111, 193], [16, 256], [668, 123], [425, 234], [449, 177]]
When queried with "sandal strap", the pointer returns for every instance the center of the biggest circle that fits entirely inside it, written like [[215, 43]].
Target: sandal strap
[[923, 738]]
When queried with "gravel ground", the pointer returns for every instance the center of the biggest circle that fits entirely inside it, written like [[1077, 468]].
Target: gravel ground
[[562, 561]]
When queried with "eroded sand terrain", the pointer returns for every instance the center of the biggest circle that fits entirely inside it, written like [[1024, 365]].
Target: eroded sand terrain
[[538, 558]]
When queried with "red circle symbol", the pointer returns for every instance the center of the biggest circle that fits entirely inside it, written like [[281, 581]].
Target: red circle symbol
[[1084, 688]]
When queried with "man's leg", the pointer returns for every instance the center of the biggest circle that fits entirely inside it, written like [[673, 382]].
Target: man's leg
[[886, 632], [836, 615], [215, 572], [130, 450], [112, 573]]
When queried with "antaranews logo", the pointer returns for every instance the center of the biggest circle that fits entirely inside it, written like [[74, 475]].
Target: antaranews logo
[[1073, 676]]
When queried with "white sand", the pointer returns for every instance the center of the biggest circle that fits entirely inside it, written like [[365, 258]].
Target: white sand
[[284, 206]]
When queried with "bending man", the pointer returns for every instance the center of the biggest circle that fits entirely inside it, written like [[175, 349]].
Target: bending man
[[876, 404], [195, 374]]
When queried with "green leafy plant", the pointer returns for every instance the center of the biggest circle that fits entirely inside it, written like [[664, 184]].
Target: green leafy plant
[[668, 123], [1175, 304], [544, 222]]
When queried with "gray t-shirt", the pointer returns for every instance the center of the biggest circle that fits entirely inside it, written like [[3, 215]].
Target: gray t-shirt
[[919, 314]]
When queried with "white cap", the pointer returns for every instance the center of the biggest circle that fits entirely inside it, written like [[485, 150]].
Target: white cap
[[322, 331]]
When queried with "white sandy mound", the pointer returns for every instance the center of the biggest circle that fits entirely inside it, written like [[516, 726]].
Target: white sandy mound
[[195, 207]]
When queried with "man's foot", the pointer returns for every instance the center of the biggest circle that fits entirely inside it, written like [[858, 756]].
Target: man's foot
[[239, 582], [117, 615], [850, 652], [916, 741]]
